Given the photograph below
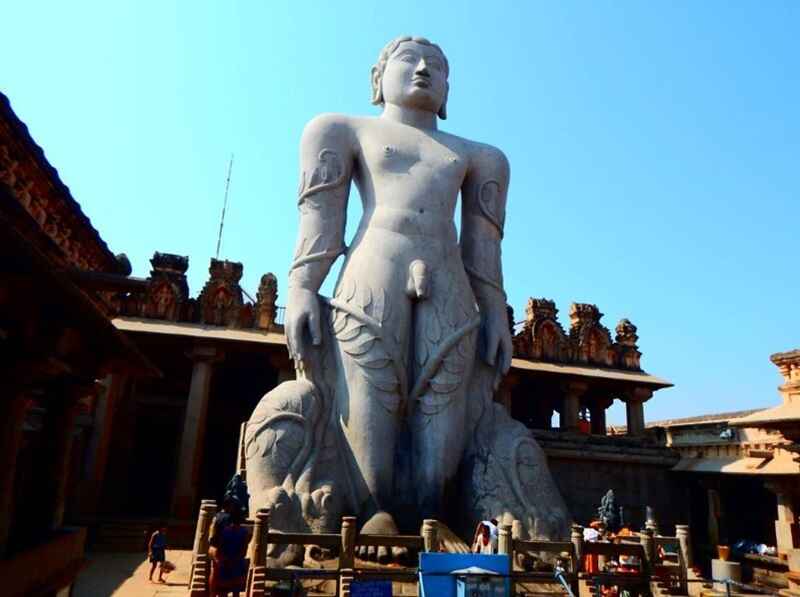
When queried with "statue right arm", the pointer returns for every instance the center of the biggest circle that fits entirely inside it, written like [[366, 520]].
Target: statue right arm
[[326, 167]]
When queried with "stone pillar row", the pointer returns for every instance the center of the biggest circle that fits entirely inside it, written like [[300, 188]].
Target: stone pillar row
[[634, 400]]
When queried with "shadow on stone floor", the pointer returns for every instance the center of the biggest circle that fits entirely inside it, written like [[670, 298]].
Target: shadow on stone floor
[[106, 572], [125, 574]]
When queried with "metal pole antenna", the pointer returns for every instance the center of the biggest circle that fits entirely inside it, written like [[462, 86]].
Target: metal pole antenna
[[224, 206]]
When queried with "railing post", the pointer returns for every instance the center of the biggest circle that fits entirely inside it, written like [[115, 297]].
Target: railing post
[[516, 535], [347, 555], [504, 539], [260, 530], [576, 536], [208, 508], [241, 468], [201, 566], [649, 547], [256, 576], [516, 530], [430, 534], [651, 522], [685, 540]]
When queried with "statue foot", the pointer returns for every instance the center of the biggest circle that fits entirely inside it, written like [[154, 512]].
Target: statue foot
[[381, 523]]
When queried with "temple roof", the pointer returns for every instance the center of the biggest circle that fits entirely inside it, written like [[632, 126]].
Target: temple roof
[[770, 417], [708, 419], [198, 330], [86, 231], [637, 377]]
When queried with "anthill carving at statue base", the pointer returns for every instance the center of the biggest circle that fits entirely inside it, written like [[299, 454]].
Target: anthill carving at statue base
[[392, 417]]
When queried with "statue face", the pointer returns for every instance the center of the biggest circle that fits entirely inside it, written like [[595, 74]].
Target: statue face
[[415, 77]]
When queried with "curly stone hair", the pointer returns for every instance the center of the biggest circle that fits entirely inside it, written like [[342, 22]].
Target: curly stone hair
[[383, 58]]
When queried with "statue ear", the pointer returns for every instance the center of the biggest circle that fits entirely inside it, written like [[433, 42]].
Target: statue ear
[[377, 92], [443, 108]]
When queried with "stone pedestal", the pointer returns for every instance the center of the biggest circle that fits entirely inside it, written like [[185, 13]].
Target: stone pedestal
[[725, 570], [193, 435]]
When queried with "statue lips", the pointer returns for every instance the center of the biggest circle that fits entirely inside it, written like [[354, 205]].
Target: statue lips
[[422, 82]]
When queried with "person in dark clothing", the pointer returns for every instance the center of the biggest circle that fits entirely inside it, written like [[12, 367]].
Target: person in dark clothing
[[157, 551], [229, 565], [222, 519]]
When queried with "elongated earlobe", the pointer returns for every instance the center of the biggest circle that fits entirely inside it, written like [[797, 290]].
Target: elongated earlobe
[[443, 108], [377, 92]]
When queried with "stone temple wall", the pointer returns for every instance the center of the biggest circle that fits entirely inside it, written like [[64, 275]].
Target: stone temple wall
[[585, 468]]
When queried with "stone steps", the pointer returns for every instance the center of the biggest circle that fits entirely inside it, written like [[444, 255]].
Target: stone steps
[[121, 536], [132, 535]]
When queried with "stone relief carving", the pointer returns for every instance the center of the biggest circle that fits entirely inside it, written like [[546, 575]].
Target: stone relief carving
[[588, 343], [221, 301]]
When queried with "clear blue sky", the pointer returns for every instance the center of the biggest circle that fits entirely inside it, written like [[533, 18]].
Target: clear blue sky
[[654, 148]]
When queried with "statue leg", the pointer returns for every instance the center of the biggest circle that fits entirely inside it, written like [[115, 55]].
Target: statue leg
[[445, 331], [371, 334]]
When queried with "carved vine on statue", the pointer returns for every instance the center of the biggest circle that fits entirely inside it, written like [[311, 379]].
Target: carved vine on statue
[[393, 406]]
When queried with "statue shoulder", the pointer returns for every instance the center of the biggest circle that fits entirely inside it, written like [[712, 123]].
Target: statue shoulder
[[488, 159], [330, 128]]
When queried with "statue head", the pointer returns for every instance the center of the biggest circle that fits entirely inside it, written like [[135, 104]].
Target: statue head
[[412, 71]]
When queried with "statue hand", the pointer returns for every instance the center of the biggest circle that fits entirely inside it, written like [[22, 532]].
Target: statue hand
[[498, 348], [302, 313]]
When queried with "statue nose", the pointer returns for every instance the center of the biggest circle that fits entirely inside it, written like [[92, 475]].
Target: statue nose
[[422, 69]]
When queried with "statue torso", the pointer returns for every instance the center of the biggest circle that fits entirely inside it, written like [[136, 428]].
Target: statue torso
[[409, 179]]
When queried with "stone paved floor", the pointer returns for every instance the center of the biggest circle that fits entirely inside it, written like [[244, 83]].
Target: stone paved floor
[[125, 575]]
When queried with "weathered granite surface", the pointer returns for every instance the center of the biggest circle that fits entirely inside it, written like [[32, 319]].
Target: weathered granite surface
[[392, 416]]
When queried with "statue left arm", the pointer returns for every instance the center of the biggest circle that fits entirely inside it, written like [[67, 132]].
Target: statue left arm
[[482, 221]]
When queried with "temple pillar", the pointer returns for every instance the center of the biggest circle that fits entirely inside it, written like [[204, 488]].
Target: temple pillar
[[542, 412], [597, 415], [12, 417], [283, 365], [634, 409], [571, 403], [786, 530], [190, 453], [504, 392], [62, 410], [99, 443], [714, 516]]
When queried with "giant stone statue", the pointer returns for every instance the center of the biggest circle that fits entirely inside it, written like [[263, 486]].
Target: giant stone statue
[[392, 416]]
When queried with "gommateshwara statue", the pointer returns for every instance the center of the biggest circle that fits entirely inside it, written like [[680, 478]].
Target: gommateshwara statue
[[392, 416]]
